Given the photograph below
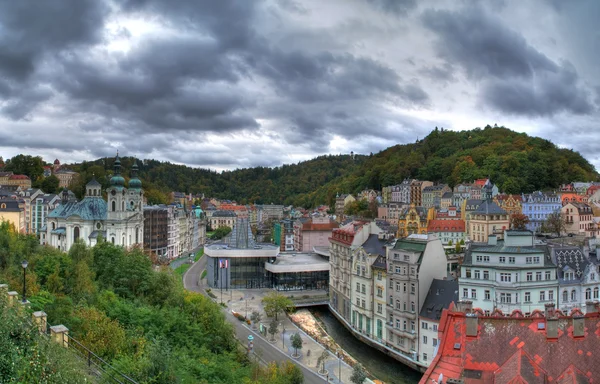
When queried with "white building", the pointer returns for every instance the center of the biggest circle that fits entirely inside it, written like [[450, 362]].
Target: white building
[[441, 294], [363, 286], [578, 278], [120, 220], [511, 274], [413, 263]]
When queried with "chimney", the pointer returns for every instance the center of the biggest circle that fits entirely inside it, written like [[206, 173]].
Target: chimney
[[472, 323], [551, 327], [492, 240], [464, 306], [591, 307], [549, 310], [578, 326]]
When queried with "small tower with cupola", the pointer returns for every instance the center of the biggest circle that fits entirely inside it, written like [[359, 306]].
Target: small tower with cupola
[[135, 196], [116, 194]]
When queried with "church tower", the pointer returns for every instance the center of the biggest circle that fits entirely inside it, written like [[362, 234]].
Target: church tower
[[116, 206], [135, 195]]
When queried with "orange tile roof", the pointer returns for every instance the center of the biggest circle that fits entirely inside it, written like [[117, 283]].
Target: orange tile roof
[[522, 353], [453, 225]]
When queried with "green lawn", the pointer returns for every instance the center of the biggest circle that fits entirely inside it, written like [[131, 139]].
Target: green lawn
[[182, 268], [199, 254]]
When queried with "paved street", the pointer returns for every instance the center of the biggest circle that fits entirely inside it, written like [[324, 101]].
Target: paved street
[[262, 347]]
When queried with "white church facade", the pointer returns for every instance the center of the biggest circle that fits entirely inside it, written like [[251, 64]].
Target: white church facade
[[119, 220]]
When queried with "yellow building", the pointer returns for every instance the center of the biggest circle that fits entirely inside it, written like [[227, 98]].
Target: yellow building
[[510, 203], [488, 219], [11, 211], [414, 220], [65, 177], [22, 181]]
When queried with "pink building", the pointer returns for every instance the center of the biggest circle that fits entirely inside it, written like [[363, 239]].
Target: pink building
[[313, 232]]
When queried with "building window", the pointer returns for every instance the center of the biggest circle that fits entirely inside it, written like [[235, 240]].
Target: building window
[[468, 273], [363, 304], [596, 291], [486, 294], [398, 304], [424, 325], [474, 294], [529, 276], [476, 275], [357, 287], [502, 259], [424, 339], [406, 258], [542, 295], [379, 308], [505, 297], [565, 296], [412, 306], [479, 258], [536, 260], [379, 275], [363, 290], [551, 295], [404, 325], [434, 327], [573, 295], [358, 302], [465, 293], [511, 260], [412, 288], [528, 260], [486, 259], [404, 287], [434, 342], [505, 277], [412, 326], [379, 292], [538, 276], [528, 297], [486, 275], [548, 275]]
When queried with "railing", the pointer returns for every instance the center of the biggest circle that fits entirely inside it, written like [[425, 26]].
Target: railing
[[96, 364]]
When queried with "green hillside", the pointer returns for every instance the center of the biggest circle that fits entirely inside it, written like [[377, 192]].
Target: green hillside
[[514, 161]]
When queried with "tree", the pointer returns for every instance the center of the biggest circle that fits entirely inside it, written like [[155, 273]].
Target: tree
[[256, 317], [457, 248], [26, 165], [296, 340], [518, 221], [50, 184], [556, 222], [273, 329], [220, 233], [275, 303], [321, 361], [358, 374], [450, 242]]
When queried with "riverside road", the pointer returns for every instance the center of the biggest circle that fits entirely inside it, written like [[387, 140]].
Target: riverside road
[[267, 351]]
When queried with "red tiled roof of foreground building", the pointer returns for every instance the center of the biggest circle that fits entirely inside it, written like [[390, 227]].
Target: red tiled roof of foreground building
[[516, 349]]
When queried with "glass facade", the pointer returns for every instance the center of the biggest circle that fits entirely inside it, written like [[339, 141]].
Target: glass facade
[[250, 273]]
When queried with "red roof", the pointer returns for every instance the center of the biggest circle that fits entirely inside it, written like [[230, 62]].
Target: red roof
[[592, 189], [310, 226], [480, 182], [504, 196], [521, 352], [454, 225], [232, 207], [19, 177]]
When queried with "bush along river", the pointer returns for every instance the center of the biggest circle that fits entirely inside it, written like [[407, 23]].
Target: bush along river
[[377, 363]]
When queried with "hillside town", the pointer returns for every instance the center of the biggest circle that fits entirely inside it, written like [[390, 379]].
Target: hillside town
[[418, 270]]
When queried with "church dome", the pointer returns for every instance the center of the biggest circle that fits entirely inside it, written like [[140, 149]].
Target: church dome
[[117, 180], [135, 182]]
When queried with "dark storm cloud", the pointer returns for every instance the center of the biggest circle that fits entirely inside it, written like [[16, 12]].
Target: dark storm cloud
[[515, 78], [31, 29], [398, 7]]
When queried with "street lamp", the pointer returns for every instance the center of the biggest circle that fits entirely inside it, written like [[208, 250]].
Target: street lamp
[[24, 264], [339, 355]]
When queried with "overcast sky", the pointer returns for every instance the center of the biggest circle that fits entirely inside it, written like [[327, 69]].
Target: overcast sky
[[227, 84]]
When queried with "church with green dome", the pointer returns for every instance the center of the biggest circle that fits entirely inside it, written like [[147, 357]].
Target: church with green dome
[[119, 219]]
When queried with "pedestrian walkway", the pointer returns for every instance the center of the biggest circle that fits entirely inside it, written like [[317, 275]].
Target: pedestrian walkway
[[245, 302]]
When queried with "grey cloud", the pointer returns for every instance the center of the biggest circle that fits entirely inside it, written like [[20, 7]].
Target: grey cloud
[[398, 7], [443, 73], [515, 77], [483, 45]]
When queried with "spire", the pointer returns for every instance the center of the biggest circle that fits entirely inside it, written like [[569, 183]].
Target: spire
[[117, 165], [117, 179], [135, 182]]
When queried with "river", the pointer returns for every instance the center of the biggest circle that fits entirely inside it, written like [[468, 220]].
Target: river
[[379, 364]]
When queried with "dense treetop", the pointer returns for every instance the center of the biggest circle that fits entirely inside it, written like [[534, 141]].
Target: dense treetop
[[514, 161]]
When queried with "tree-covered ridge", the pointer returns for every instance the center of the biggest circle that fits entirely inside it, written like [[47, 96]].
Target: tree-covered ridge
[[516, 162]]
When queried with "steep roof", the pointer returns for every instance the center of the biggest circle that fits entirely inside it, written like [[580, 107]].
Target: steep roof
[[410, 245], [570, 259], [447, 195], [452, 225], [380, 262], [515, 349], [488, 207], [224, 214], [10, 205], [374, 245], [90, 208], [441, 294]]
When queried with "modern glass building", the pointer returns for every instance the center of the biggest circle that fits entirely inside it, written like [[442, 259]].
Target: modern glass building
[[240, 263]]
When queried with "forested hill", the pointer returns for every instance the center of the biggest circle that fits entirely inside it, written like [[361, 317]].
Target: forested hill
[[514, 161]]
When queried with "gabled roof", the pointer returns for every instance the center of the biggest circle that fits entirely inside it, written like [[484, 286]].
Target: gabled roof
[[440, 295], [410, 245], [488, 207], [374, 245], [380, 263], [515, 349], [224, 214], [10, 205], [452, 225], [447, 195], [570, 259]]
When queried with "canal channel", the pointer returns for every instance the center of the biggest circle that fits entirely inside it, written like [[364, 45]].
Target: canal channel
[[379, 364]]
